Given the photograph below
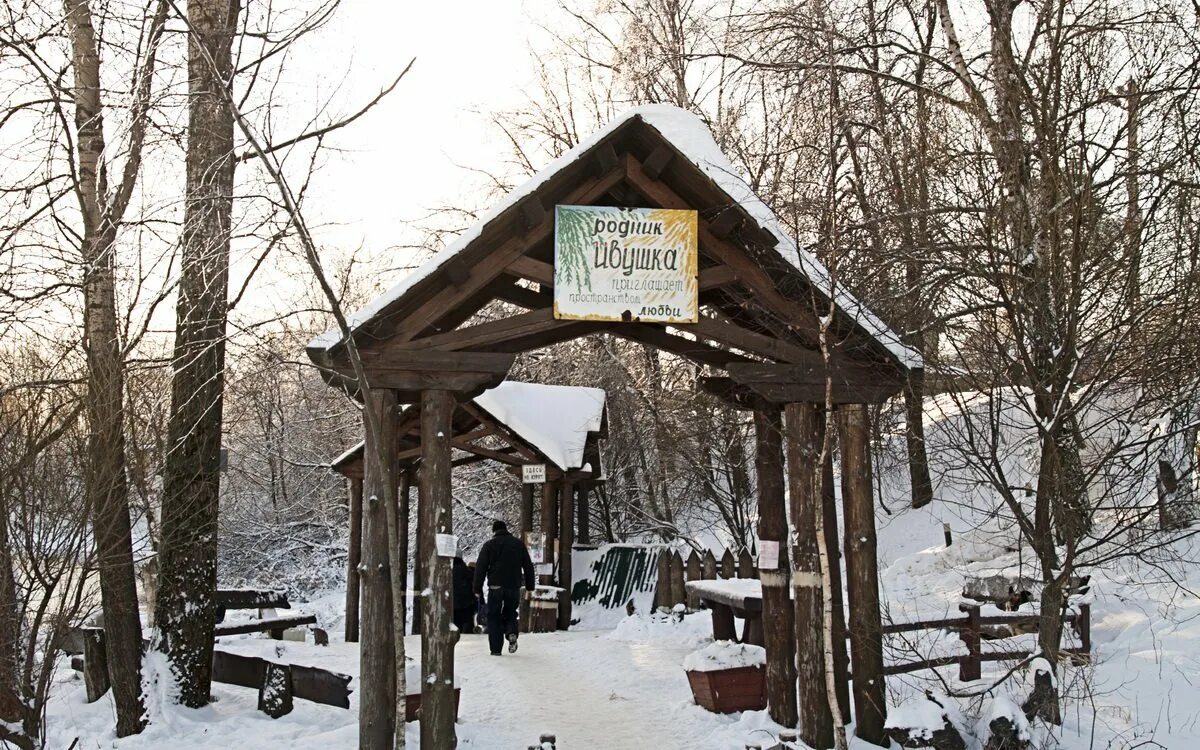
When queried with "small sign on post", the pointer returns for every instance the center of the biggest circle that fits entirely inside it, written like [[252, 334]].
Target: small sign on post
[[447, 545], [768, 554], [535, 545], [533, 473]]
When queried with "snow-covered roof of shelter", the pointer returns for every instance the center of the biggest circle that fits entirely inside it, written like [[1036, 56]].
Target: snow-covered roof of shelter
[[553, 419], [691, 136]]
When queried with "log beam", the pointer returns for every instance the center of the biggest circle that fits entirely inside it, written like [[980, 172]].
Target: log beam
[[377, 708], [862, 576], [804, 428], [566, 521], [437, 636], [353, 558], [777, 614]]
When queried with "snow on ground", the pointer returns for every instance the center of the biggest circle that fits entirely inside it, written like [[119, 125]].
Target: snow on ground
[[620, 689]]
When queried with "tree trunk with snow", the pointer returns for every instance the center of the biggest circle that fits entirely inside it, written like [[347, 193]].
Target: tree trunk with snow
[[186, 606]]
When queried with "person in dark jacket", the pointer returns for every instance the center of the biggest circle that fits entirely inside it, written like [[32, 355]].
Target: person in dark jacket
[[464, 597], [504, 562]]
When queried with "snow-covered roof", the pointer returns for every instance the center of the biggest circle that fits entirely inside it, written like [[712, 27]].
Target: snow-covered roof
[[554, 419], [692, 138]]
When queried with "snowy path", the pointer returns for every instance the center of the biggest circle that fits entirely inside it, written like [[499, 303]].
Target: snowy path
[[587, 690]]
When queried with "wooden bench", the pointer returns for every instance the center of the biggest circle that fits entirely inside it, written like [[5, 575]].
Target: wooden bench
[[741, 597], [266, 601]]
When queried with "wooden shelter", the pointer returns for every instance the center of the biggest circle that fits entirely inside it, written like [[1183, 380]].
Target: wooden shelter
[[497, 426], [763, 303]]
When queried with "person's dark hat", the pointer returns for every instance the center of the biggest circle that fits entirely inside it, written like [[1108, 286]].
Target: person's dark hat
[[499, 526]]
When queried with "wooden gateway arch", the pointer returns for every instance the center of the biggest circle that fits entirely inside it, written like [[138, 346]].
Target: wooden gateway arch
[[762, 303]]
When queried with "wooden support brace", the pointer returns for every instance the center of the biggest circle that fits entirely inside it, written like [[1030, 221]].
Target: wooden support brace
[[657, 162], [95, 664]]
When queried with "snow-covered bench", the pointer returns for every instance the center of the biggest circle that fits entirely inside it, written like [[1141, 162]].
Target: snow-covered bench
[[266, 601], [741, 597]]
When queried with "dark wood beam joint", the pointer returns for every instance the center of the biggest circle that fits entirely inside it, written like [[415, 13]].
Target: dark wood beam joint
[[657, 162]]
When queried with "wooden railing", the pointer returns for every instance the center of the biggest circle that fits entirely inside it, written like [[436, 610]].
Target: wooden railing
[[970, 630]]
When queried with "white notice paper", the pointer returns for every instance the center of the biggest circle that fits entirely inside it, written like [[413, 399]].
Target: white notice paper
[[533, 541], [768, 554], [447, 545], [544, 569]]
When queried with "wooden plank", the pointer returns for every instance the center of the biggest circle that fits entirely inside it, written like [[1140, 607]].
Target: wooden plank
[[809, 368], [758, 344], [265, 625], [447, 299], [253, 598], [716, 277], [814, 393], [750, 272], [532, 269], [432, 361], [486, 335], [408, 384], [696, 351]]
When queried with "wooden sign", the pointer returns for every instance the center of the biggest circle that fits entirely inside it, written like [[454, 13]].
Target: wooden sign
[[533, 473], [625, 264]]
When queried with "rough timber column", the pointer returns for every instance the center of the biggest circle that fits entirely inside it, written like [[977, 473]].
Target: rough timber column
[[526, 509], [862, 575], [549, 526], [377, 656], [777, 615], [353, 558], [566, 542], [437, 638], [804, 430]]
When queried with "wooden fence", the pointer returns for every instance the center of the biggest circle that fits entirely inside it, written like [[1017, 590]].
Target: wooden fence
[[970, 630], [674, 571]]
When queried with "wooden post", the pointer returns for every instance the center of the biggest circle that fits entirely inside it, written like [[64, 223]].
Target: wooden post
[[377, 656], [833, 545], [862, 575], [728, 566], [275, 694], [437, 637], [566, 543], [745, 567], [549, 527], [582, 494], [1084, 626], [403, 509], [804, 429], [708, 566], [420, 574], [526, 509], [662, 591], [678, 590], [724, 628], [692, 572], [353, 558], [95, 664], [970, 666], [779, 637]]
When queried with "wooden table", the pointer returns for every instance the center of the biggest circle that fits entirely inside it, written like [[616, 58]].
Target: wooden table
[[740, 597]]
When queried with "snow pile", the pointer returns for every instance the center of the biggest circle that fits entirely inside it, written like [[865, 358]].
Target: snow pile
[[725, 655], [1003, 707], [925, 715], [688, 631]]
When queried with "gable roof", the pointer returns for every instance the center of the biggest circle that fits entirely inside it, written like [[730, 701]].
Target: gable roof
[[554, 420], [690, 137]]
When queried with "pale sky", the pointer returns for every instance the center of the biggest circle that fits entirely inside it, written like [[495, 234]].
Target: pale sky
[[473, 58]]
